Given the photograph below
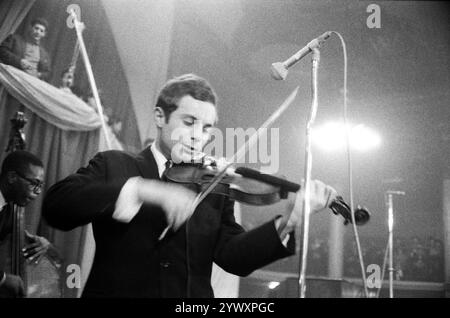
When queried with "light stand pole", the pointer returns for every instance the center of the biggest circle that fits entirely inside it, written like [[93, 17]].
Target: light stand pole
[[391, 269]]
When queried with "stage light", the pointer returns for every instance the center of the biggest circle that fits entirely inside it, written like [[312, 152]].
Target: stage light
[[332, 137], [363, 138], [273, 285], [329, 137]]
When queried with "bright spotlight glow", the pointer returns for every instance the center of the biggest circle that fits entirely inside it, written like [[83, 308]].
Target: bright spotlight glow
[[363, 138], [273, 285], [329, 137], [332, 137]]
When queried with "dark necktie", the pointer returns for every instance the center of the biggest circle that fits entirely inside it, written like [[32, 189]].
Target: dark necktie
[[168, 164]]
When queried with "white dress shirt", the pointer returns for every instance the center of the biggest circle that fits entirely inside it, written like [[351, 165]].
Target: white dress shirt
[[2, 201], [159, 158]]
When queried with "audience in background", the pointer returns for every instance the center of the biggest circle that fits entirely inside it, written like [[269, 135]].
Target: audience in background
[[415, 259], [113, 121], [67, 80]]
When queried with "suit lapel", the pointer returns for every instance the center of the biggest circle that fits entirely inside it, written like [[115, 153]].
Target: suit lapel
[[147, 164]]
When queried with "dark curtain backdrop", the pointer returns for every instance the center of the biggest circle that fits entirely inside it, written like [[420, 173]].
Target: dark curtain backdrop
[[12, 13]]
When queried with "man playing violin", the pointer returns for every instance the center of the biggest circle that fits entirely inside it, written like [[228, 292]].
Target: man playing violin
[[131, 207], [21, 181]]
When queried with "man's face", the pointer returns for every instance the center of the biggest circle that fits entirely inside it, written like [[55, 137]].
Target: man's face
[[37, 32], [67, 79], [188, 129], [26, 185]]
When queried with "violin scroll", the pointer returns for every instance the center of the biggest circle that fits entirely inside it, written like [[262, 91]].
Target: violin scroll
[[338, 206]]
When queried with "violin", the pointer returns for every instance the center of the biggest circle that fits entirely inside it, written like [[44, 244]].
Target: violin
[[248, 186], [243, 184], [203, 176]]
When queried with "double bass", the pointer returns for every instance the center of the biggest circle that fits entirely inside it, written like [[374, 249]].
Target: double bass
[[41, 280]]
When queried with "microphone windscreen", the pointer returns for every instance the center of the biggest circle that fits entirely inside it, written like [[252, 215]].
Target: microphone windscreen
[[279, 72]]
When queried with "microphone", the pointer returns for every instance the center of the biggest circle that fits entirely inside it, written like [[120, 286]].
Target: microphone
[[280, 69]]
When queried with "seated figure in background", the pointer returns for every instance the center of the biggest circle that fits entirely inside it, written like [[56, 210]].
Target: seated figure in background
[[67, 80], [114, 122], [27, 53], [21, 181]]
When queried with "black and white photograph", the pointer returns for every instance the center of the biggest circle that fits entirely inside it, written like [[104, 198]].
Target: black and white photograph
[[224, 154]]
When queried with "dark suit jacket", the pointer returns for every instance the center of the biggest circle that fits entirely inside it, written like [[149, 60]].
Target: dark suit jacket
[[12, 51], [129, 260]]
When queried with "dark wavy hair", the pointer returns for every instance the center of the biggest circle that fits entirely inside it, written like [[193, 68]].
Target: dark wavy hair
[[40, 21], [178, 87]]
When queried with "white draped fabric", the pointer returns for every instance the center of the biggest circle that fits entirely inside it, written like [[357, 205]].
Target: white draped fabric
[[64, 110]]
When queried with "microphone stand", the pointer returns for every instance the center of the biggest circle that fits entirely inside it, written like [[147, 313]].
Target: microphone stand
[[307, 172], [391, 240], [79, 27]]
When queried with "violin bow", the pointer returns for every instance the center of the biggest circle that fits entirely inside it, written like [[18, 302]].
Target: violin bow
[[242, 151]]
